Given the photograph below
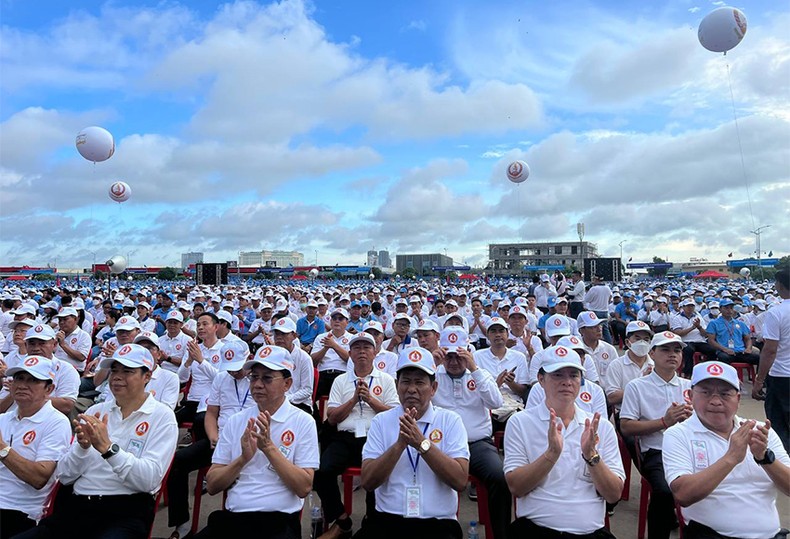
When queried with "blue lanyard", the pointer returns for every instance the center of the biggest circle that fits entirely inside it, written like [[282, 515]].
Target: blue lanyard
[[416, 462], [238, 398]]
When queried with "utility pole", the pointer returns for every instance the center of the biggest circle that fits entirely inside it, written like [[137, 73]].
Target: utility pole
[[757, 233], [580, 232]]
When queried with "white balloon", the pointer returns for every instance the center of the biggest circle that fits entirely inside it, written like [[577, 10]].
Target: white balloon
[[120, 192], [518, 172], [95, 144], [314, 272], [745, 272], [117, 264], [722, 29]]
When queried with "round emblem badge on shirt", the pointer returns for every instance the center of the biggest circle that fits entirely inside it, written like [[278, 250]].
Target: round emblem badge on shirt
[[215, 358], [344, 340], [585, 396], [715, 370], [141, 428], [287, 438], [435, 436], [74, 340], [415, 356], [471, 385], [377, 390], [381, 365], [29, 436], [178, 347], [605, 355]]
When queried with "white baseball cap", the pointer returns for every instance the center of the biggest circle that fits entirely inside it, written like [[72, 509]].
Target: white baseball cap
[[275, 358], [516, 309], [284, 325], [558, 324], [225, 315], [571, 341], [664, 337], [29, 322], [374, 325], [496, 321], [588, 319], [67, 311], [715, 370], [425, 324], [42, 332], [25, 308], [637, 325], [234, 354], [36, 366], [341, 311], [417, 357], [133, 356], [147, 336], [453, 338], [362, 336], [127, 323], [558, 357], [175, 315]]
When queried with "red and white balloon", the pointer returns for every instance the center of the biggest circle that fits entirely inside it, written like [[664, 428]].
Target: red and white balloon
[[518, 172], [95, 144], [120, 192], [722, 29]]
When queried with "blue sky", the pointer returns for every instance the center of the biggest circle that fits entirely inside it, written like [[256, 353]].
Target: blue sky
[[346, 126]]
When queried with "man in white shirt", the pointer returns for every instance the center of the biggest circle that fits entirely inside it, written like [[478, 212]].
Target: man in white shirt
[[402, 325], [690, 326], [576, 294], [73, 343], [266, 457], [472, 392], [774, 369], [384, 361], [724, 471], [301, 392], [561, 463], [597, 300], [33, 438], [543, 292], [356, 397], [416, 458], [522, 337], [330, 352], [173, 344], [591, 330], [478, 321], [651, 404], [164, 384], [122, 450]]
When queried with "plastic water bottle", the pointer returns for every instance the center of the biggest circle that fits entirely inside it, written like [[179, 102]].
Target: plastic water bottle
[[316, 518], [472, 534]]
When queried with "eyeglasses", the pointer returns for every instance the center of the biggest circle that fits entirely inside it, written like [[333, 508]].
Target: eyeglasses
[[267, 380], [724, 394]]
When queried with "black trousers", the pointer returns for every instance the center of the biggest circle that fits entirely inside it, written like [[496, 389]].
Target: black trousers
[[224, 524], [618, 328], [388, 526], [777, 406], [187, 459], [695, 530], [661, 511], [325, 380], [326, 432], [575, 308], [738, 357], [485, 464], [688, 355], [344, 451], [524, 527], [14, 522], [127, 516]]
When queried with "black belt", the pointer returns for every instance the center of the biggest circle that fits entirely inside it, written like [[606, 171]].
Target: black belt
[[142, 496], [330, 371]]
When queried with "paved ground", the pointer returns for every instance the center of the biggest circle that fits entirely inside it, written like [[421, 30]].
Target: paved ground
[[623, 523]]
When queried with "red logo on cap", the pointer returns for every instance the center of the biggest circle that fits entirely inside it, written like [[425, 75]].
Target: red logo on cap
[[669, 335], [125, 349], [641, 324], [687, 396], [593, 316], [287, 438], [557, 322], [141, 428], [29, 362], [415, 356], [453, 338], [516, 309], [562, 351], [715, 370], [421, 323], [38, 329], [377, 390], [471, 385], [585, 397], [29, 436], [573, 339], [265, 351], [281, 322], [229, 354]]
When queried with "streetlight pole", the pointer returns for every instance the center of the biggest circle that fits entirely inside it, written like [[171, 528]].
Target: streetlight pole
[[622, 266], [757, 233], [580, 232]]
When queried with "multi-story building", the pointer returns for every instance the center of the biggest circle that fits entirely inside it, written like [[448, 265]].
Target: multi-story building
[[187, 259], [373, 258], [422, 263], [384, 259], [275, 259], [515, 257]]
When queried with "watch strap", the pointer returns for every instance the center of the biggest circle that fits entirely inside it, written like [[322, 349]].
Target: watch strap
[[768, 458]]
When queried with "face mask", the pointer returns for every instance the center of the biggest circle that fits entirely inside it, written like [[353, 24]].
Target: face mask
[[714, 311], [738, 309], [648, 304], [640, 348], [698, 300], [302, 305]]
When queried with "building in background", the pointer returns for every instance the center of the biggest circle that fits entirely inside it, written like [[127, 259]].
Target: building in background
[[422, 263], [384, 259], [514, 257], [272, 259], [373, 258], [188, 259]]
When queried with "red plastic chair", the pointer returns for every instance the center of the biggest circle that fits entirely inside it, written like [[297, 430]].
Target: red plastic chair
[[348, 488], [626, 458], [499, 441], [201, 475], [483, 514], [322, 407], [644, 501], [748, 368]]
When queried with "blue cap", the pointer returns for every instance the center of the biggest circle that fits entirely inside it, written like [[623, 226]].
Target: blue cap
[[725, 302], [355, 303], [365, 302]]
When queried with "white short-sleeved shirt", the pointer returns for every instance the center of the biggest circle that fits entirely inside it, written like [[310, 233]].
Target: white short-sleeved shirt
[[537, 344], [747, 491], [174, 347], [203, 373], [382, 387], [258, 487], [591, 371], [332, 361], [471, 396], [79, 341], [265, 327], [568, 488], [147, 439], [648, 398], [591, 398], [681, 321], [776, 327], [442, 427], [485, 359], [44, 436], [67, 380], [386, 362], [303, 376], [623, 370], [164, 386], [603, 355], [231, 395]]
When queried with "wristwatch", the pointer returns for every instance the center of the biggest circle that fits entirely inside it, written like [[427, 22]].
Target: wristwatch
[[425, 445], [767, 459], [592, 461], [4, 452], [113, 450]]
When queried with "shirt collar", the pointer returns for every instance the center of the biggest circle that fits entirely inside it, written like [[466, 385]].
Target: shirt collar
[[283, 412], [578, 415], [656, 379], [697, 426], [427, 417], [39, 416]]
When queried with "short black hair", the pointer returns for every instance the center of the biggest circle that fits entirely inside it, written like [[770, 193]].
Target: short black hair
[[782, 278], [212, 315]]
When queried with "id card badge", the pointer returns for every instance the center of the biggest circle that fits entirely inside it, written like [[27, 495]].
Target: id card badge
[[135, 447], [360, 430], [731, 344], [458, 389], [700, 451], [413, 501]]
